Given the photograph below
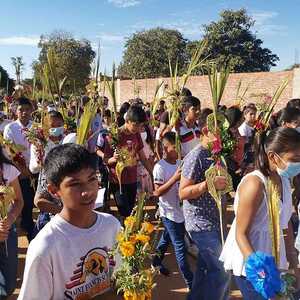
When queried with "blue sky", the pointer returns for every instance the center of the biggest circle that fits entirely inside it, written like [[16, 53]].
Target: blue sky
[[111, 21]]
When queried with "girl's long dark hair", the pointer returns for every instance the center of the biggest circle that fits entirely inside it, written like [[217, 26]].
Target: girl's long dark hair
[[3, 158], [279, 140]]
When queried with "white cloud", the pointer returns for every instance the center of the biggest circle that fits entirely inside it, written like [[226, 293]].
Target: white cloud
[[111, 37], [265, 25], [190, 28], [19, 41], [125, 3]]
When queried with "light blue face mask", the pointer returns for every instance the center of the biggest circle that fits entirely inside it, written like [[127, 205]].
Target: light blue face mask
[[298, 129], [56, 131], [292, 169]]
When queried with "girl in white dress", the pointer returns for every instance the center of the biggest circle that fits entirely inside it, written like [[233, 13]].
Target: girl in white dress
[[277, 159]]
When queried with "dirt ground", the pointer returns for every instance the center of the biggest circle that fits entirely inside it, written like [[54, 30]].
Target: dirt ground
[[172, 287]]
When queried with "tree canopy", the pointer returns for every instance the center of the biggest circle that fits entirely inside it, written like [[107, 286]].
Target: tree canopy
[[147, 53], [73, 58], [231, 41]]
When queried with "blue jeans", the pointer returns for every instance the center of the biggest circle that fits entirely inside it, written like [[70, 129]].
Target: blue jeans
[[8, 264], [211, 282], [247, 289], [174, 232]]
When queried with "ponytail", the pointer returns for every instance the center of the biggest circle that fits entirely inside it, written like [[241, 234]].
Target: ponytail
[[279, 140], [261, 158]]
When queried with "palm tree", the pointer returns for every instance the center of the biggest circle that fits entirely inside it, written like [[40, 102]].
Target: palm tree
[[18, 65]]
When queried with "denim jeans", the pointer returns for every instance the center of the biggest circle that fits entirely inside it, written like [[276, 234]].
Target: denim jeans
[[8, 264], [125, 199], [246, 288], [211, 282], [174, 232], [27, 222]]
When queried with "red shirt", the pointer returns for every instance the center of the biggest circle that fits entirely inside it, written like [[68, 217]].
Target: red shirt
[[134, 144]]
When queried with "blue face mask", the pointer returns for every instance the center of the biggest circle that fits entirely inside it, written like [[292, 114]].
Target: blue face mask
[[56, 131], [292, 169]]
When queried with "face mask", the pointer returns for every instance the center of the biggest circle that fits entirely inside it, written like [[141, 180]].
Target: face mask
[[298, 129], [292, 169], [144, 135], [56, 131]]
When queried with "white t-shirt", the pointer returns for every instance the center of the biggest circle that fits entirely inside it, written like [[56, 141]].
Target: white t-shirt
[[169, 203], [3, 124], [10, 173], [34, 166], [13, 132], [246, 130], [67, 262]]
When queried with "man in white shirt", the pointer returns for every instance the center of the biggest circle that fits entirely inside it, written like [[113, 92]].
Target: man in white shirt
[[14, 132]]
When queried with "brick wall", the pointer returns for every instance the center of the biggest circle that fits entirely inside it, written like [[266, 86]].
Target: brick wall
[[261, 82]]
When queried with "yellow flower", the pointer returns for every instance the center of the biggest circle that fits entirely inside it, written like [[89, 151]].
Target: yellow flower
[[133, 239], [127, 249], [147, 227], [142, 238], [120, 236], [129, 221]]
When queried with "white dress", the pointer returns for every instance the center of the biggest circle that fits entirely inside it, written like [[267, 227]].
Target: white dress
[[259, 235]]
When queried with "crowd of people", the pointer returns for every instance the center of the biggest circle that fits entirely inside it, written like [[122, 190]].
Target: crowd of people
[[68, 255]]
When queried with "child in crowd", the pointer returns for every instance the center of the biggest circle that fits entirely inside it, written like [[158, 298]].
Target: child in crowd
[[8, 232], [277, 159], [56, 135], [188, 131], [201, 216], [70, 255], [14, 132], [47, 203], [234, 117], [130, 138], [247, 128], [166, 176], [290, 118]]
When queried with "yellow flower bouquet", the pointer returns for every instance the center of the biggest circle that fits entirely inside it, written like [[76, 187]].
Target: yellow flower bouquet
[[134, 245]]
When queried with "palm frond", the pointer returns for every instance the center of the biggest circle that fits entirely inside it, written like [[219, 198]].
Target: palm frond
[[274, 100], [86, 119], [111, 86]]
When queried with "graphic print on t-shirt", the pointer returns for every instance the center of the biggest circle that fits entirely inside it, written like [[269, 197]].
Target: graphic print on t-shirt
[[91, 276]]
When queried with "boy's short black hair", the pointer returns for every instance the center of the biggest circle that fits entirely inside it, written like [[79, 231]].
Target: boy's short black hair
[[65, 160], [185, 92], [190, 101], [294, 103], [288, 115], [136, 114], [170, 137], [22, 101], [56, 114], [107, 113]]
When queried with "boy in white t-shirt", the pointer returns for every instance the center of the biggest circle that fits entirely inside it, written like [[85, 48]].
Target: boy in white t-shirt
[[166, 175], [69, 258]]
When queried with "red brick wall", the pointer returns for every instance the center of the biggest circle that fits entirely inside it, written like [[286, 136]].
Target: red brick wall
[[261, 82]]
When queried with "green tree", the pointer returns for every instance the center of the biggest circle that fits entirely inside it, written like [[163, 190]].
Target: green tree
[[232, 42], [147, 53], [5, 81], [73, 58]]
